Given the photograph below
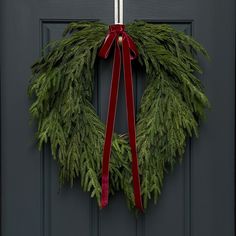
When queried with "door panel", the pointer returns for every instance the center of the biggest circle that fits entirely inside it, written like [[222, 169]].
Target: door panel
[[198, 195]]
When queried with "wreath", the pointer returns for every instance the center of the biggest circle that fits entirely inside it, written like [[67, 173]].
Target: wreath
[[172, 105]]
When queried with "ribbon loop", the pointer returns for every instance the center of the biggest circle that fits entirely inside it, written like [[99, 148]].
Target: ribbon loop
[[129, 52]]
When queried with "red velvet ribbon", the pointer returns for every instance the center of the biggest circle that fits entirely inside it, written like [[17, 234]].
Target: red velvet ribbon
[[129, 52]]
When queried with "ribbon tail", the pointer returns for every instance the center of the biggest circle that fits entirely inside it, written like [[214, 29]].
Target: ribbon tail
[[110, 124], [131, 121]]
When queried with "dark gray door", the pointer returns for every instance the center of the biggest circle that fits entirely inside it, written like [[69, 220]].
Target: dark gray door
[[198, 196]]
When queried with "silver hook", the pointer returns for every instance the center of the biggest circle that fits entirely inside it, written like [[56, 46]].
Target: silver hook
[[118, 11]]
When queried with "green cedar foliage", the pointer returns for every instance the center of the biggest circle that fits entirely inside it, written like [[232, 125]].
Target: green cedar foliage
[[171, 107]]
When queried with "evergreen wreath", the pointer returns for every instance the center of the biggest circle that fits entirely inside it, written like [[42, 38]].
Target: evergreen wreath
[[171, 107]]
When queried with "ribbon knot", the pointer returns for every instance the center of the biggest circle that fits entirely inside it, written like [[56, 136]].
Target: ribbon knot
[[129, 52], [117, 28]]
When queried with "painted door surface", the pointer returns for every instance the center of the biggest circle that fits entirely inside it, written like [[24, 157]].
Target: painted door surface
[[198, 196]]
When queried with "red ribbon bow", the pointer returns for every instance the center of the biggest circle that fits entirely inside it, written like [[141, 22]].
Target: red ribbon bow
[[129, 52]]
